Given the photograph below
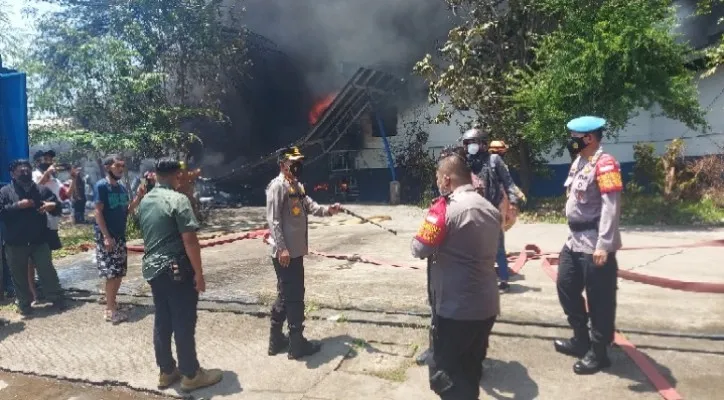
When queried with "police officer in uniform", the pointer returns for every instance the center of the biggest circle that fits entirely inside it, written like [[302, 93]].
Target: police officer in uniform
[[492, 172], [287, 208], [459, 237], [588, 259]]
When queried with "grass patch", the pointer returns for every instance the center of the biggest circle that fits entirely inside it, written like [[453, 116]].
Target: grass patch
[[398, 374], [80, 238], [75, 238], [636, 210]]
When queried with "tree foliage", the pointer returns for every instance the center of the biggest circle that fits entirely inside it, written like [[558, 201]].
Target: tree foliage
[[525, 67], [715, 54], [473, 69], [132, 74], [8, 39], [610, 62]]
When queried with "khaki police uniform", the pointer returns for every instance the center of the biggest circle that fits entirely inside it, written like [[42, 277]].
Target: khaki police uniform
[[287, 210], [459, 238], [593, 210]]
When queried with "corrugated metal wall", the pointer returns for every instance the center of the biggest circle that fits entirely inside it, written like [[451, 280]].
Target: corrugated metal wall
[[13, 119]]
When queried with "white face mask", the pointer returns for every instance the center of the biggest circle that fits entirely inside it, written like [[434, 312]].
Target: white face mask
[[473, 148]]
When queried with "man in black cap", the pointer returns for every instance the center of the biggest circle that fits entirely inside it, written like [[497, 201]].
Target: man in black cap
[[172, 266], [287, 210]]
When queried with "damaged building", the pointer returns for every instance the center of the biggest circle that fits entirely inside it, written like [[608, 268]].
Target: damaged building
[[330, 77]]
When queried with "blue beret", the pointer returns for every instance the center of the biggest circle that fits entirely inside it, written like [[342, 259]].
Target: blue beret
[[586, 124]]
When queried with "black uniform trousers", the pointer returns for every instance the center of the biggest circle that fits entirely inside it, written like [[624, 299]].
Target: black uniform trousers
[[176, 314], [289, 304], [459, 348], [576, 272]]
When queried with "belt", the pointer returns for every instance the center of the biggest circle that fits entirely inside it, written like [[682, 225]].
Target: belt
[[584, 226]]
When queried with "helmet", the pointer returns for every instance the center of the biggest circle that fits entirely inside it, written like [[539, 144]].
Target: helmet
[[498, 147], [475, 134]]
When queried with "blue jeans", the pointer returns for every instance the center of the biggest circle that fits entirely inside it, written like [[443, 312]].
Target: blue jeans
[[79, 211], [502, 259]]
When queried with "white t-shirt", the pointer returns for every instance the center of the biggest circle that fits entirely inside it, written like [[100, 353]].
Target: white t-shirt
[[53, 185]]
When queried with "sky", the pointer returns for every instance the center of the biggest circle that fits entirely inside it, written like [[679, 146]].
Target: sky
[[20, 22]]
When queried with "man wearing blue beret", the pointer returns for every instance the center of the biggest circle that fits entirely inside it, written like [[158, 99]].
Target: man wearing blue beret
[[588, 258]]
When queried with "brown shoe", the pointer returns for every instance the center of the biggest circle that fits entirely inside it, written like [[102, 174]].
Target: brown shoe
[[166, 380], [204, 378]]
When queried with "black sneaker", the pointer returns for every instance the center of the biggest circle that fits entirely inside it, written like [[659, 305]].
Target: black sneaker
[[24, 311], [503, 287], [60, 305]]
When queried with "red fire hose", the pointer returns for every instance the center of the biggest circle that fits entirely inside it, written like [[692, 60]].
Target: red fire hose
[[550, 260]]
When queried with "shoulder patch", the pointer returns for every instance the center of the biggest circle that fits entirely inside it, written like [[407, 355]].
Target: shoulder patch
[[608, 174], [433, 229]]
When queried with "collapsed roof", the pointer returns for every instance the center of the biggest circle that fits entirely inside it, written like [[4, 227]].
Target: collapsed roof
[[361, 93]]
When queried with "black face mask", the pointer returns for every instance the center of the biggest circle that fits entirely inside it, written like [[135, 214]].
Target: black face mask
[[44, 166], [25, 178], [475, 162], [296, 169], [575, 145]]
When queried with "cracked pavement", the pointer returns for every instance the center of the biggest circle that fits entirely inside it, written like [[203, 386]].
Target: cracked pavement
[[372, 322]]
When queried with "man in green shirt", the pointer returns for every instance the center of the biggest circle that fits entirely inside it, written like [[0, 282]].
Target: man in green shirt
[[172, 266]]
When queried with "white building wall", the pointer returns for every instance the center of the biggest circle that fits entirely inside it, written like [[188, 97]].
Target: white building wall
[[646, 126]]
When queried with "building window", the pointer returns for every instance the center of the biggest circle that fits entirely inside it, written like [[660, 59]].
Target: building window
[[339, 160]]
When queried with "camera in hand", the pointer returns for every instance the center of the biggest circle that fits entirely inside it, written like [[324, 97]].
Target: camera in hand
[[63, 167]]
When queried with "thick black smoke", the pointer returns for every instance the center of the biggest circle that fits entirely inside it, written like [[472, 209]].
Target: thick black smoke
[[298, 49], [322, 34]]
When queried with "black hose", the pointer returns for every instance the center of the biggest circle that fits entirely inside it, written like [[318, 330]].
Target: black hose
[[427, 315]]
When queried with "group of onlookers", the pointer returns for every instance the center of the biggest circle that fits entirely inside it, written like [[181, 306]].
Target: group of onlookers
[[30, 211]]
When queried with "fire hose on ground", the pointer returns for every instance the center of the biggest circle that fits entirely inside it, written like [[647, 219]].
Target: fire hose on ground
[[549, 261]]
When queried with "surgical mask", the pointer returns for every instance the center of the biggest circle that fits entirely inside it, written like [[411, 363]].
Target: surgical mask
[[473, 148], [296, 170], [114, 176], [575, 145]]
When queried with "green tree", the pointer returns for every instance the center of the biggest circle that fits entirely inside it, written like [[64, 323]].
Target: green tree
[[131, 76], [715, 54], [526, 68], [474, 68], [7, 37], [611, 62]]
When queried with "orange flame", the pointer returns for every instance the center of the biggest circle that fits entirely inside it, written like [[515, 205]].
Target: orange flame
[[320, 107]]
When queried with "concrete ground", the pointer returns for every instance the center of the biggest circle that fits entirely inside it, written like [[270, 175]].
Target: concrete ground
[[372, 320]]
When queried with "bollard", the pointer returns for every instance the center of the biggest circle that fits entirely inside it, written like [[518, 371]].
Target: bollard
[[394, 193]]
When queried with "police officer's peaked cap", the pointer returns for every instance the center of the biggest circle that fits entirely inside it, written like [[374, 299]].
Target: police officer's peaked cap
[[586, 124], [289, 153]]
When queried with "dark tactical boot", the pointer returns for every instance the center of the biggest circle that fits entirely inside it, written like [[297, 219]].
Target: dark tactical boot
[[423, 357], [300, 347], [595, 360], [278, 342], [576, 346]]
